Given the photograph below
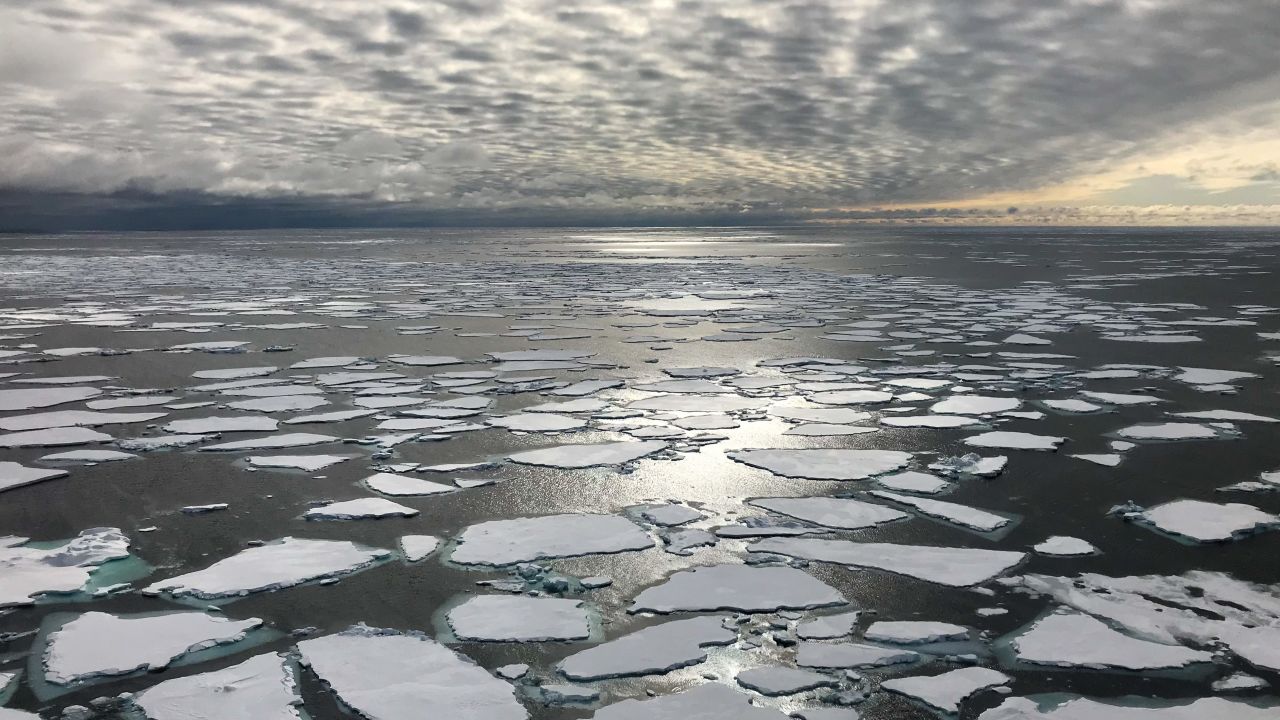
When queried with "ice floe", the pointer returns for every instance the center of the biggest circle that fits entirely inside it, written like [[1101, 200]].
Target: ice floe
[[589, 454], [956, 567], [841, 513], [737, 587], [260, 688], [824, 464], [517, 540], [652, 650], [515, 618], [945, 692]]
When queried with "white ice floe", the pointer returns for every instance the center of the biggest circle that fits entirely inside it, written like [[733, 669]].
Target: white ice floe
[[418, 547], [975, 405], [822, 415], [425, 360], [130, 402], [1071, 405], [517, 540], [852, 397], [1168, 431], [585, 387], [652, 650], [1227, 416], [1065, 546], [519, 618], [1081, 708], [235, 373], [582, 405], [260, 688], [714, 421], [913, 632], [388, 675], [670, 514], [282, 403], [97, 643], [1209, 376], [336, 416], [828, 627], [28, 572], [306, 463], [929, 421], [946, 691], [969, 517], [399, 485], [743, 588], [913, 481], [589, 454], [238, 423], [73, 418], [1119, 398], [272, 442], [87, 457], [695, 385], [273, 566], [1066, 638], [850, 655], [956, 567], [824, 464], [775, 681], [1003, 439], [1103, 459], [32, 398], [53, 437], [710, 701], [160, 442], [970, 464], [827, 430], [1207, 522], [537, 422], [324, 362], [840, 513], [698, 403], [360, 509], [15, 475]]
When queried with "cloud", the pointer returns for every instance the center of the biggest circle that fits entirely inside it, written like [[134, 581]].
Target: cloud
[[584, 108]]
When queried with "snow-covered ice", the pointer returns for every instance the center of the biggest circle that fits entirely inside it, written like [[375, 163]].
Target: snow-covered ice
[[956, 567], [589, 454], [743, 588], [518, 618], [824, 464], [651, 650], [517, 540], [260, 688]]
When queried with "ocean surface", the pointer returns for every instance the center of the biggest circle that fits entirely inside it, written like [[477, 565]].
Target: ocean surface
[[883, 322]]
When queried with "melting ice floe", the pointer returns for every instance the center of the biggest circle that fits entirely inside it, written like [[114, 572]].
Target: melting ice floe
[[96, 643], [1065, 638], [506, 542], [281, 564], [1205, 521], [824, 464], [652, 650], [957, 567], [14, 475], [710, 701], [589, 455], [851, 655], [841, 513], [27, 572], [775, 681], [737, 587], [1080, 708], [946, 691], [260, 688], [912, 632], [508, 618], [1003, 439], [360, 509], [390, 675]]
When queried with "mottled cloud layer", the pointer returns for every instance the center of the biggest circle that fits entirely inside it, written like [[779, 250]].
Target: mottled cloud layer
[[579, 109]]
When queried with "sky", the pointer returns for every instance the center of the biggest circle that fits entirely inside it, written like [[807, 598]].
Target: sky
[[314, 113]]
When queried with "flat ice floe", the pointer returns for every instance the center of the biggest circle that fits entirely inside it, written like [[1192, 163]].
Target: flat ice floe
[[1066, 638], [272, 442], [1005, 440], [1063, 546], [517, 618], [963, 515], [1226, 416], [1168, 431], [160, 442], [307, 463], [274, 566], [974, 405], [913, 481], [653, 650], [1207, 522], [956, 567], [537, 422], [238, 423], [824, 464], [283, 403], [710, 701], [388, 675], [517, 540], [1210, 376], [360, 509], [929, 421], [96, 643], [840, 513], [775, 681], [15, 475], [851, 655], [401, 485], [589, 454], [913, 632], [418, 547], [743, 588], [32, 398], [698, 403], [1081, 708], [823, 415], [260, 688], [74, 418], [852, 397], [945, 692], [828, 627], [970, 464], [27, 573], [53, 437]]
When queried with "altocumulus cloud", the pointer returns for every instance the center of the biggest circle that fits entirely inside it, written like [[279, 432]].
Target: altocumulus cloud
[[576, 110]]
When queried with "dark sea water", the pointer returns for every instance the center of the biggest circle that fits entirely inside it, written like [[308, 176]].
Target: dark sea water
[[956, 293]]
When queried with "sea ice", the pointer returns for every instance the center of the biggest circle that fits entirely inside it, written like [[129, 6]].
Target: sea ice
[[828, 627], [274, 566], [850, 655], [743, 588], [73, 418], [969, 517], [913, 481], [239, 423], [824, 464], [389, 675], [272, 442], [537, 422], [306, 463], [1066, 638], [32, 398], [360, 509], [392, 484], [946, 691], [974, 405], [1003, 439], [517, 540], [589, 454], [260, 688], [956, 567], [840, 513], [1208, 522], [14, 475], [28, 572], [710, 701], [418, 547], [98, 643], [777, 681], [1081, 708], [519, 618], [53, 437], [652, 650], [1063, 546]]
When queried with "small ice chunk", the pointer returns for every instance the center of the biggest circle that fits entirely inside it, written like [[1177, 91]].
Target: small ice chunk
[[970, 464], [913, 481], [519, 618], [669, 515], [96, 643], [913, 632], [86, 456], [514, 671], [517, 540], [1065, 546], [652, 650], [743, 588], [418, 547], [1104, 459], [561, 693], [945, 692], [160, 442]]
